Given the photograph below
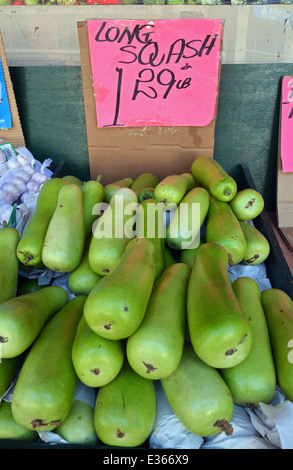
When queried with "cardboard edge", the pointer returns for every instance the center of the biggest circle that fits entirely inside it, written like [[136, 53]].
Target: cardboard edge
[[281, 176], [85, 61], [15, 134], [93, 132]]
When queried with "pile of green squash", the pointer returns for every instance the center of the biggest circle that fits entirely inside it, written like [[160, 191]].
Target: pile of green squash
[[151, 301]]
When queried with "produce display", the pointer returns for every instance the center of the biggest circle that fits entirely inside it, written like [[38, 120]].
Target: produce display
[[253, 380], [161, 333], [199, 395], [219, 330], [179, 237], [129, 2], [137, 293], [21, 177], [23, 317], [46, 384], [65, 236], [30, 247], [125, 409], [9, 238]]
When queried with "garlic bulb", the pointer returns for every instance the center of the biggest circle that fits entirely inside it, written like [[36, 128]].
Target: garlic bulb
[[33, 187], [6, 197], [20, 184], [2, 156], [12, 189], [3, 169], [13, 163], [29, 169], [22, 160], [39, 177], [23, 175]]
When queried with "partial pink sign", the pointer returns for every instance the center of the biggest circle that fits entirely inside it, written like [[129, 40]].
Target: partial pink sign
[[155, 73], [287, 125]]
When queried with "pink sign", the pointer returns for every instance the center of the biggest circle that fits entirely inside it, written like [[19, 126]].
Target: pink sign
[[287, 125], [155, 73]]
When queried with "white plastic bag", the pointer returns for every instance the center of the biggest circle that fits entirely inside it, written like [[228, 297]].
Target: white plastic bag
[[62, 281], [258, 273], [21, 182], [168, 431], [245, 435], [274, 421]]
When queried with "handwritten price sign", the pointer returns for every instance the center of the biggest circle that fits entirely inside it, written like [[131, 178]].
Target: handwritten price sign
[[287, 125], [155, 73]]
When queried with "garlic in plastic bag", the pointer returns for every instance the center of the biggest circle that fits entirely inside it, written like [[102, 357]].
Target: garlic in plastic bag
[[29, 169], [13, 163], [21, 175], [5, 197], [39, 177], [20, 184], [2, 156], [3, 169], [12, 189], [33, 187], [8, 212], [22, 160]]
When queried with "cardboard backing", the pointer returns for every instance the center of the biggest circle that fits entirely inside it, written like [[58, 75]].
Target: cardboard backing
[[284, 195], [15, 134], [119, 152]]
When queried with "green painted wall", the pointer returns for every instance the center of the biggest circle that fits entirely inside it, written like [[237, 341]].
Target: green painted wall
[[51, 107], [248, 122]]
